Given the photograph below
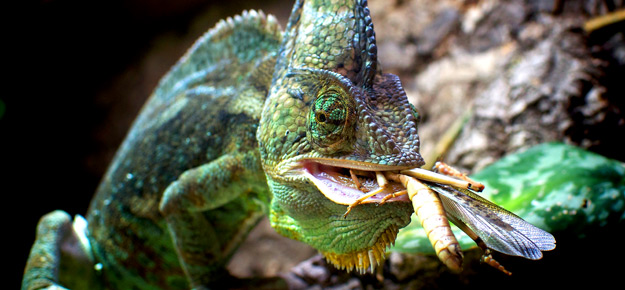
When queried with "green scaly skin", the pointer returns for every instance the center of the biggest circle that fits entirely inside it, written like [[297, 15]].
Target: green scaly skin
[[247, 123]]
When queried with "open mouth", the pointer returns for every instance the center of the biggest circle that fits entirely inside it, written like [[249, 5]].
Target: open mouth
[[345, 185]]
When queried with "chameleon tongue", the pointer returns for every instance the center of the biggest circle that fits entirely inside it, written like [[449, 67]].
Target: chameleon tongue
[[341, 189]]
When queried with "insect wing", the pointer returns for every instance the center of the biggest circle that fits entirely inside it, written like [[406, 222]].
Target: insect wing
[[498, 228]]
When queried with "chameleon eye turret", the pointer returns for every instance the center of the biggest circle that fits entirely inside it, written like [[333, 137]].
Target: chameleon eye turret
[[329, 121]]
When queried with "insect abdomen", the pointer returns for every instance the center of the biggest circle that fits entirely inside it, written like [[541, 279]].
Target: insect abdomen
[[430, 212]]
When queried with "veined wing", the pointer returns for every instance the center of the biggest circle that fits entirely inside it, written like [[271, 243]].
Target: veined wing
[[498, 228]]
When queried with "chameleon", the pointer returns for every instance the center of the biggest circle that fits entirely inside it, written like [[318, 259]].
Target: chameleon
[[241, 127], [252, 121]]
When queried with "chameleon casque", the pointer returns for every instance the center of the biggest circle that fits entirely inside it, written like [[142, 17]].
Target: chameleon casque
[[251, 121]]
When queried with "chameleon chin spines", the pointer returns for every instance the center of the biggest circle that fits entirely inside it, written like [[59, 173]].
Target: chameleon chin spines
[[366, 259]]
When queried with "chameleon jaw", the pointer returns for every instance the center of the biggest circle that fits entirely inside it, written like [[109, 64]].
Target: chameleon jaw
[[347, 183]]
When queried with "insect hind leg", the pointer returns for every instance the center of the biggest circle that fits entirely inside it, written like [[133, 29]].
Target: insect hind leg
[[445, 169]]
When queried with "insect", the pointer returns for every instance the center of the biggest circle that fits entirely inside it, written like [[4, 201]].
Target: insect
[[445, 195]]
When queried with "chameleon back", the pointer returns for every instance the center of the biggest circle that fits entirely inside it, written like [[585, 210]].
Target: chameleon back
[[206, 106]]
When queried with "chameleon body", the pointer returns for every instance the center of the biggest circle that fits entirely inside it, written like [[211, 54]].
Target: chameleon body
[[252, 121]]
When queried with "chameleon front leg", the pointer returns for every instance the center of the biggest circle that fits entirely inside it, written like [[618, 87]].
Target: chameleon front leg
[[202, 251], [59, 257]]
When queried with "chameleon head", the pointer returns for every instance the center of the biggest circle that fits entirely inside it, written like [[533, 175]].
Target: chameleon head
[[317, 129]]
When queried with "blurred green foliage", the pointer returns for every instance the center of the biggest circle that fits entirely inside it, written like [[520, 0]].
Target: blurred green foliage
[[554, 186]]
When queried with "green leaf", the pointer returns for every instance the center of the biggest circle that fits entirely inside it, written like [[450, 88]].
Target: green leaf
[[554, 186]]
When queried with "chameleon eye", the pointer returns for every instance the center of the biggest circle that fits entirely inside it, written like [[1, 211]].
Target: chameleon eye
[[329, 117]]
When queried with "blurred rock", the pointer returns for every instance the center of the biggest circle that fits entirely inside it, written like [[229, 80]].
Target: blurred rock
[[265, 253]]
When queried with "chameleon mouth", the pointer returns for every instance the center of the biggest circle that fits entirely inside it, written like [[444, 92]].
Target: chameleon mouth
[[353, 183], [345, 185]]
